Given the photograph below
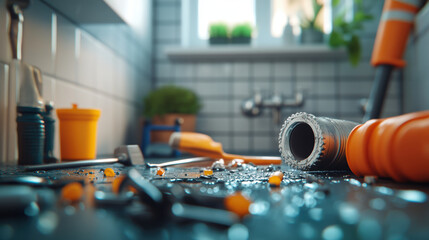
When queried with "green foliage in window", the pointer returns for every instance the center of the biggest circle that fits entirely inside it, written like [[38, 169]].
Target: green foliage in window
[[171, 99], [347, 33], [310, 23], [218, 30], [242, 31]]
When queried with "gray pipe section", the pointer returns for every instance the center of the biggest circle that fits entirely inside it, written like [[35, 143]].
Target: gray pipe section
[[307, 142]]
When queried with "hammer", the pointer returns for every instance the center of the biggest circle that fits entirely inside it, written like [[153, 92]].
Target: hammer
[[127, 155]]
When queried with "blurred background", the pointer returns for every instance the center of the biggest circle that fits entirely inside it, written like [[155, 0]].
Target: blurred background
[[111, 54]]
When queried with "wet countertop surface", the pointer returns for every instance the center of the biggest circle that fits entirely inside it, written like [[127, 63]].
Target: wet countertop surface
[[306, 205]]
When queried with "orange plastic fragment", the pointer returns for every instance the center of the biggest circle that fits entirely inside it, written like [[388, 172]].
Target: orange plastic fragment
[[278, 174], [117, 183], [275, 181], [160, 171], [208, 172], [72, 192], [276, 178], [238, 204], [108, 172]]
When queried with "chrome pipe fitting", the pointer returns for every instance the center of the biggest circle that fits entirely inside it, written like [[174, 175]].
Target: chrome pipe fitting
[[307, 142]]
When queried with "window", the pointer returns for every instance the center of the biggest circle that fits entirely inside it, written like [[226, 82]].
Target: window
[[268, 16], [230, 12]]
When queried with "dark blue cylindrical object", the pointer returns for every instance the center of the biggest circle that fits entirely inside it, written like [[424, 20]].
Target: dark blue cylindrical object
[[48, 153], [31, 135]]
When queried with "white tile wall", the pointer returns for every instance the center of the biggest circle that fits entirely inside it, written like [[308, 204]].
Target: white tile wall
[[261, 70], [37, 37], [5, 49], [80, 68], [66, 59], [241, 70], [4, 76]]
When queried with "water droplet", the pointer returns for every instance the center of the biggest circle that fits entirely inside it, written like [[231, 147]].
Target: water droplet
[[307, 231], [398, 222], [32, 209], [369, 229], [412, 196], [384, 190], [238, 232], [353, 181], [6, 232], [297, 201], [47, 222], [259, 208], [348, 213], [377, 204], [291, 211], [69, 210], [332, 232], [315, 214]]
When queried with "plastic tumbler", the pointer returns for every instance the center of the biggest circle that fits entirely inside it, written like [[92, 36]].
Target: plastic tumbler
[[78, 132]]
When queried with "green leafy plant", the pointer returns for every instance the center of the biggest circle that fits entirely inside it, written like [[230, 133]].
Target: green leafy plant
[[311, 22], [242, 31], [218, 30], [346, 33], [171, 99]]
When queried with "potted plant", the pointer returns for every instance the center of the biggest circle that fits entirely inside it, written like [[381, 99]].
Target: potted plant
[[218, 33], [241, 33], [311, 30], [345, 33], [164, 105]]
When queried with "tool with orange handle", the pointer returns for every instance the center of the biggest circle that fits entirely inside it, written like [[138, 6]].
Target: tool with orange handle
[[202, 145], [396, 147], [396, 22]]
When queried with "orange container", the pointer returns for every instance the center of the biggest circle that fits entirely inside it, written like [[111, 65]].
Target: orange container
[[396, 147], [78, 132]]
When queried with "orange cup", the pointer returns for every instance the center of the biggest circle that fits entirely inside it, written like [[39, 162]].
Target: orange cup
[[78, 132]]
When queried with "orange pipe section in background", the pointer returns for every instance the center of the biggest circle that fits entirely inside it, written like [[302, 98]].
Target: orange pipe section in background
[[393, 33], [396, 147], [202, 145]]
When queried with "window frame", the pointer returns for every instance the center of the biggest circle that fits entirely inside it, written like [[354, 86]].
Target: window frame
[[189, 25]]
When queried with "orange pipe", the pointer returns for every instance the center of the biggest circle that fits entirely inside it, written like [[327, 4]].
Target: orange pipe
[[393, 32], [202, 145], [396, 147]]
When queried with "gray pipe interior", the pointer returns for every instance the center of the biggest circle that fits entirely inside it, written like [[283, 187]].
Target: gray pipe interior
[[301, 141]]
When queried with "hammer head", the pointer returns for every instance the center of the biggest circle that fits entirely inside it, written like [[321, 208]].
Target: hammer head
[[129, 155]]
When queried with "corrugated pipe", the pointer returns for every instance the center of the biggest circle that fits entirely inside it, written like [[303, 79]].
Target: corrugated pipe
[[314, 143]]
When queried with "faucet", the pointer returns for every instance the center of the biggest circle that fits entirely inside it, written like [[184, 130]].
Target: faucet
[[253, 106]]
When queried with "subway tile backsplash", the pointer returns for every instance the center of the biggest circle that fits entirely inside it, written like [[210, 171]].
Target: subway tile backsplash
[[332, 88], [79, 68]]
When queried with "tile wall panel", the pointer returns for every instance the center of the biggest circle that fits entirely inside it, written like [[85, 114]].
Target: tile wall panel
[[38, 49], [79, 67], [66, 62], [5, 48]]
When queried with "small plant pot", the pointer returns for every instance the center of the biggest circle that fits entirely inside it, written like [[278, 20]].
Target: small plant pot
[[240, 40], [218, 40], [311, 36], [169, 119]]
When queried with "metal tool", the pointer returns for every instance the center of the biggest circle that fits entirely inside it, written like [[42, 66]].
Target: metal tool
[[396, 23], [187, 161], [202, 145], [314, 143], [127, 155], [161, 207]]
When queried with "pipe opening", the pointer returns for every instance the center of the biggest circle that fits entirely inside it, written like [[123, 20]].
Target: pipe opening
[[301, 141]]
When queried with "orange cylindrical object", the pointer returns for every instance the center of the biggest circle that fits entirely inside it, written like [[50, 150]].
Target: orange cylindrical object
[[392, 35], [396, 147], [78, 133]]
